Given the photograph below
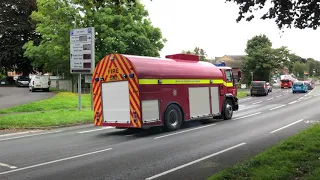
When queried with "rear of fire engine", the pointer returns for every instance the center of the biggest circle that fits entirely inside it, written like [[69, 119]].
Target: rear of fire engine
[[141, 92]]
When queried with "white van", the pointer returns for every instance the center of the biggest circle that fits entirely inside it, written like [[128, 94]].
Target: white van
[[40, 82]]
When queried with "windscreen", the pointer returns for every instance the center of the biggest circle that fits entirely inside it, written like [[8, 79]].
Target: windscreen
[[23, 78], [258, 83]]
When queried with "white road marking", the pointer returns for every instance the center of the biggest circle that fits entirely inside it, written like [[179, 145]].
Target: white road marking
[[293, 102], [307, 98], [269, 99], [285, 93], [19, 133], [193, 162], [55, 161], [246, 116], [100, 129], [286, 126], [279, 96], [300, 99], [159, 137], [277, 107], [7, 165], [257, 102], [245, 99], [18, 137]]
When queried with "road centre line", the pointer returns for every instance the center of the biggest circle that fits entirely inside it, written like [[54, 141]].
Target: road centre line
[[18, 137], [55, 161], [82, 132], [286, 126], [257, 102], [7, 165], [269, 99], [293, 102], [244, 99], [307, 98], [279, 96], [247, 116], [159, 137], [277, 107], [193, 162]]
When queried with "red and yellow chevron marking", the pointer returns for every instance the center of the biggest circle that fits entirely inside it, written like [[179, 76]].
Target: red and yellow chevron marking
[[125, 67]]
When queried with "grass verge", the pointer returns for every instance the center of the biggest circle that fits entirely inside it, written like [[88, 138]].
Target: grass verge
[[242, 94], [63, 100], [298, 157], [45, 119]]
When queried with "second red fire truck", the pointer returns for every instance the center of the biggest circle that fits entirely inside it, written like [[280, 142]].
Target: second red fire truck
[[141, 92]]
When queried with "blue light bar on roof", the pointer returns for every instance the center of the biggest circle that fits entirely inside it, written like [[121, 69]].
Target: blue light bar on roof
[[221, 64]]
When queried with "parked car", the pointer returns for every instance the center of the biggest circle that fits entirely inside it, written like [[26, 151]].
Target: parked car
[[259, 88], [40, 82], [299, 87], [309, 85], [269, 86], [22, 81]]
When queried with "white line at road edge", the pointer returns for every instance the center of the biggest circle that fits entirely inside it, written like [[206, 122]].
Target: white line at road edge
[[18, 137], [286, 126], [19, 133], [293, 102], [95, 130], [55, 161], [7, 165], [196, 161], [247, 116], [159, 137], [257, 102], [277, 107]]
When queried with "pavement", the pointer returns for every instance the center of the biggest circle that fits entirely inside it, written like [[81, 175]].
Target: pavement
[[192, 153], [13, 96]]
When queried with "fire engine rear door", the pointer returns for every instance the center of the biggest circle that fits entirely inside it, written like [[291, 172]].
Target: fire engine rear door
[[116, 102]]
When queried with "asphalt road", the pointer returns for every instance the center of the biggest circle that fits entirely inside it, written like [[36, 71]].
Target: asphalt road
[[194, 153], [12, 96]]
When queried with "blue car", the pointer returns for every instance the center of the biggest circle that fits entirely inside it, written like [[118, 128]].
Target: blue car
[[299, 87]]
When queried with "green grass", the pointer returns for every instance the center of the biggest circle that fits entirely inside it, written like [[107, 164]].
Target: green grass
[[63, 100], [45, 119], [242, 94], [298, 157]]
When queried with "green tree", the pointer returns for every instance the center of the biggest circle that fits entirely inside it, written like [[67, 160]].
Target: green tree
[[299, 69], [15, 30], [261, 59], [299, 13], [197, 51], [126, 30]]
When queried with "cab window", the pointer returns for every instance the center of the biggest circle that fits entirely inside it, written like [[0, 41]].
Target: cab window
[[229, 75]]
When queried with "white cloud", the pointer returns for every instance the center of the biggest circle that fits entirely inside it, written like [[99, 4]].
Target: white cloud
[[211, 25]]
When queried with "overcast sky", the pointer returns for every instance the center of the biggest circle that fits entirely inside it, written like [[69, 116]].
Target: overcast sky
[[211, 25]]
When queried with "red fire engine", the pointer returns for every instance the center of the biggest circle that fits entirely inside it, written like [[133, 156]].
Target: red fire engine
[[141, 92]]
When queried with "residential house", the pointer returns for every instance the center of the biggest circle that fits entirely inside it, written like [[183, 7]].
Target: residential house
[[233, 61]]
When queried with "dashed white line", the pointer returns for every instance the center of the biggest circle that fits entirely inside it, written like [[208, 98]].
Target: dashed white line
[[285, 93], [247, 116], [193, 162], [307, 98], [286, 126], [257, 102], [244, 99], [7, 165], [293, 102], [269, 99], [279, 96], [100, 129], [159, 137], [18, 137], [277, 107], [55, 161]]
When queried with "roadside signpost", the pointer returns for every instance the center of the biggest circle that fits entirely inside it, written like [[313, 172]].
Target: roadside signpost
[[82, 54]]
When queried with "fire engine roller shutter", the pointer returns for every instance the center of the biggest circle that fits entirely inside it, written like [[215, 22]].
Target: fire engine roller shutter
[[116, 102], [199, 101]]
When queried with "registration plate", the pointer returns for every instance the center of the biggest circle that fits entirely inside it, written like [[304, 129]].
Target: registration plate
[[298, 87], [37, 85], [254, 91]]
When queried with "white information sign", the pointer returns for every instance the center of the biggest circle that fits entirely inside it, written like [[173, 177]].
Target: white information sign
[[82, 51]]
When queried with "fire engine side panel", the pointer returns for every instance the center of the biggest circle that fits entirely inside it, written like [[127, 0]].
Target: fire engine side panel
[[199, 101], [116, 102], [150, 111], [215, 100]]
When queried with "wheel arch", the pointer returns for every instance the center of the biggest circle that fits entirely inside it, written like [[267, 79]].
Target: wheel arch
[[175, 103]]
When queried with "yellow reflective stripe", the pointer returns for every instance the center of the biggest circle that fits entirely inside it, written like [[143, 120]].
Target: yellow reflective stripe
[[148, 81], [185, 81]]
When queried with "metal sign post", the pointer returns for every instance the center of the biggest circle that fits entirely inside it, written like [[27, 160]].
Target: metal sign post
[[82, 54]]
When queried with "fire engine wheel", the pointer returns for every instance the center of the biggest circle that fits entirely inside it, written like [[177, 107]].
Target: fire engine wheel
[[173, 117], [227, 110]]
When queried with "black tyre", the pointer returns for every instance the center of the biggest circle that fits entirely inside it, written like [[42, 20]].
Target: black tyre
[[227, 111], [173, 117]]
